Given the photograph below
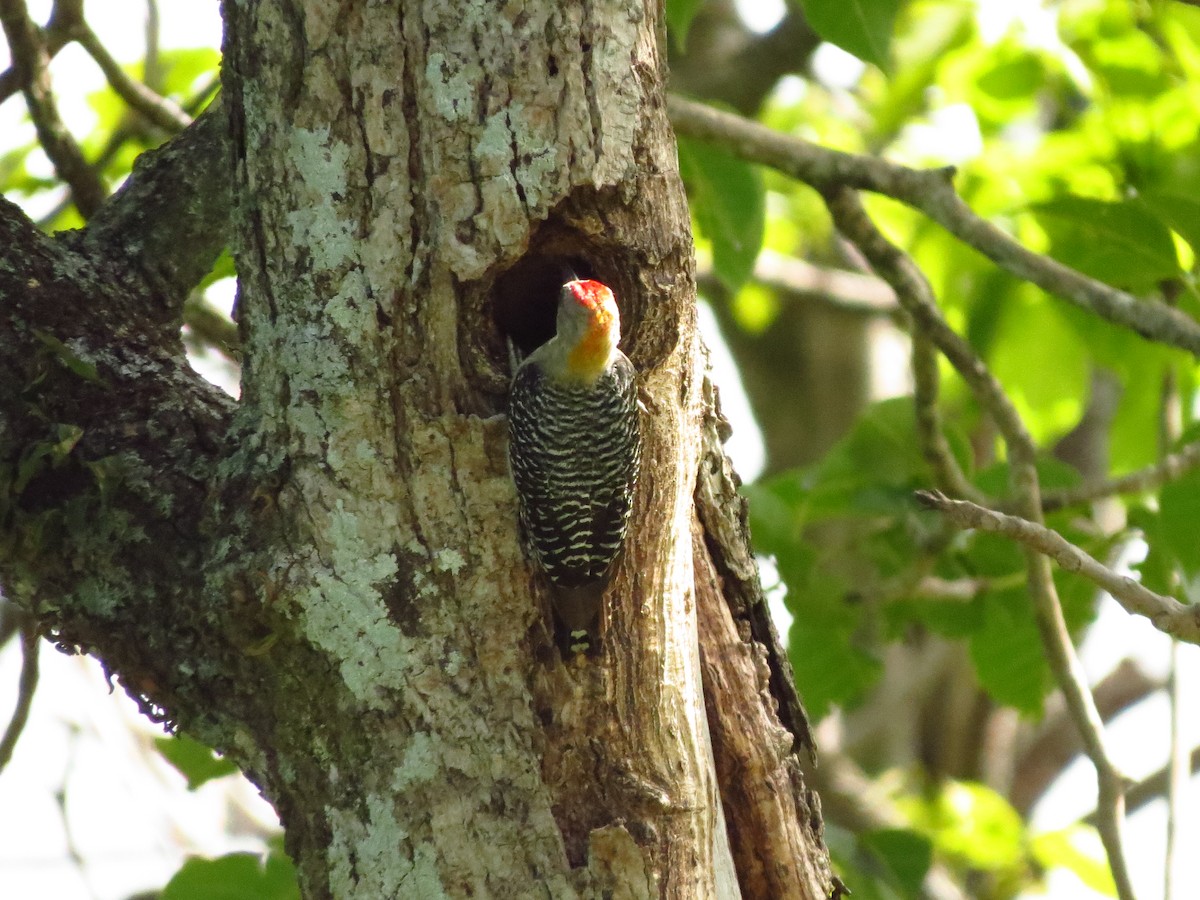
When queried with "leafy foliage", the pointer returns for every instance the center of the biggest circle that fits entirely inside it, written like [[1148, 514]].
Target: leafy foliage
[[1078, 134], [732, 210], [679, 17], [237, 876], [861, 27], [195, 762]]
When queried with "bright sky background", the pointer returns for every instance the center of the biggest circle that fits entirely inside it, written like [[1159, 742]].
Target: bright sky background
[[127, 821]]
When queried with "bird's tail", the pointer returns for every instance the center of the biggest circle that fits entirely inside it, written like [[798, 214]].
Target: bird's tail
[[578, 612]]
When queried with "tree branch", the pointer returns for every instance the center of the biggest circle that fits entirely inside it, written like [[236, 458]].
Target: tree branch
[[211, 327], [840, 289], [725, 61], [934, 447], [1170, 467], [152, 70], [26, 687], [119, 440], [931, 192], [1167, 614], [170, 220], [724, 515], [958, 590], [1150, 788], [64, 16], [162, 111], [1056, 741], [915, 295], [770, 813], [30, 60]]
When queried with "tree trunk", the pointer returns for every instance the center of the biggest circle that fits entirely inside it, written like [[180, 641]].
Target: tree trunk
[[327, 582]]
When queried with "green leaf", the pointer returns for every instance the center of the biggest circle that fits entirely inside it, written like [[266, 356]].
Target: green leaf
[[1180, 212], [237, 876], [828, 662], [955, 620], [1125, 58], [1141, 371], [876, 466], [1179, 505], [1007, 652], [777, 511], [14, 171], [46, 454], [905, 854], [969, 822], [1042, 364], [870, 474], [222, 268], [1063, 850], [729, 203], [679, 19], [185, 67], [827, 643], [68, 357], [861, 27], [1053, 474], [1159, 569], [863, 872], [195, 761], [108, 472], [917, 57], [1014, 78], [1123, 243]]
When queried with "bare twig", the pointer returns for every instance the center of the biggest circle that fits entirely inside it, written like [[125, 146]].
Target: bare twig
[[203, 94], [1177, 779], [1151, 788], [162, 111], [1167, 614], [852, 292], [211, 327], [960, 590], [26, 687], [916, 297], [932, 192], [30, 60], [1167, 469], [947, 473], [1170, 424], [1056, 740], [152, 71], [64, 16]]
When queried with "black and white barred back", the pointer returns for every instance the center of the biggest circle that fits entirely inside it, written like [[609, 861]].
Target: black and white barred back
[[575, 451]]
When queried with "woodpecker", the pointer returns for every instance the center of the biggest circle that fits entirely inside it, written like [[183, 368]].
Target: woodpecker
[[574, 449]]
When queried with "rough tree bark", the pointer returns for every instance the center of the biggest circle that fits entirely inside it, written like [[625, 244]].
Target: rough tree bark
[[324, 580]]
